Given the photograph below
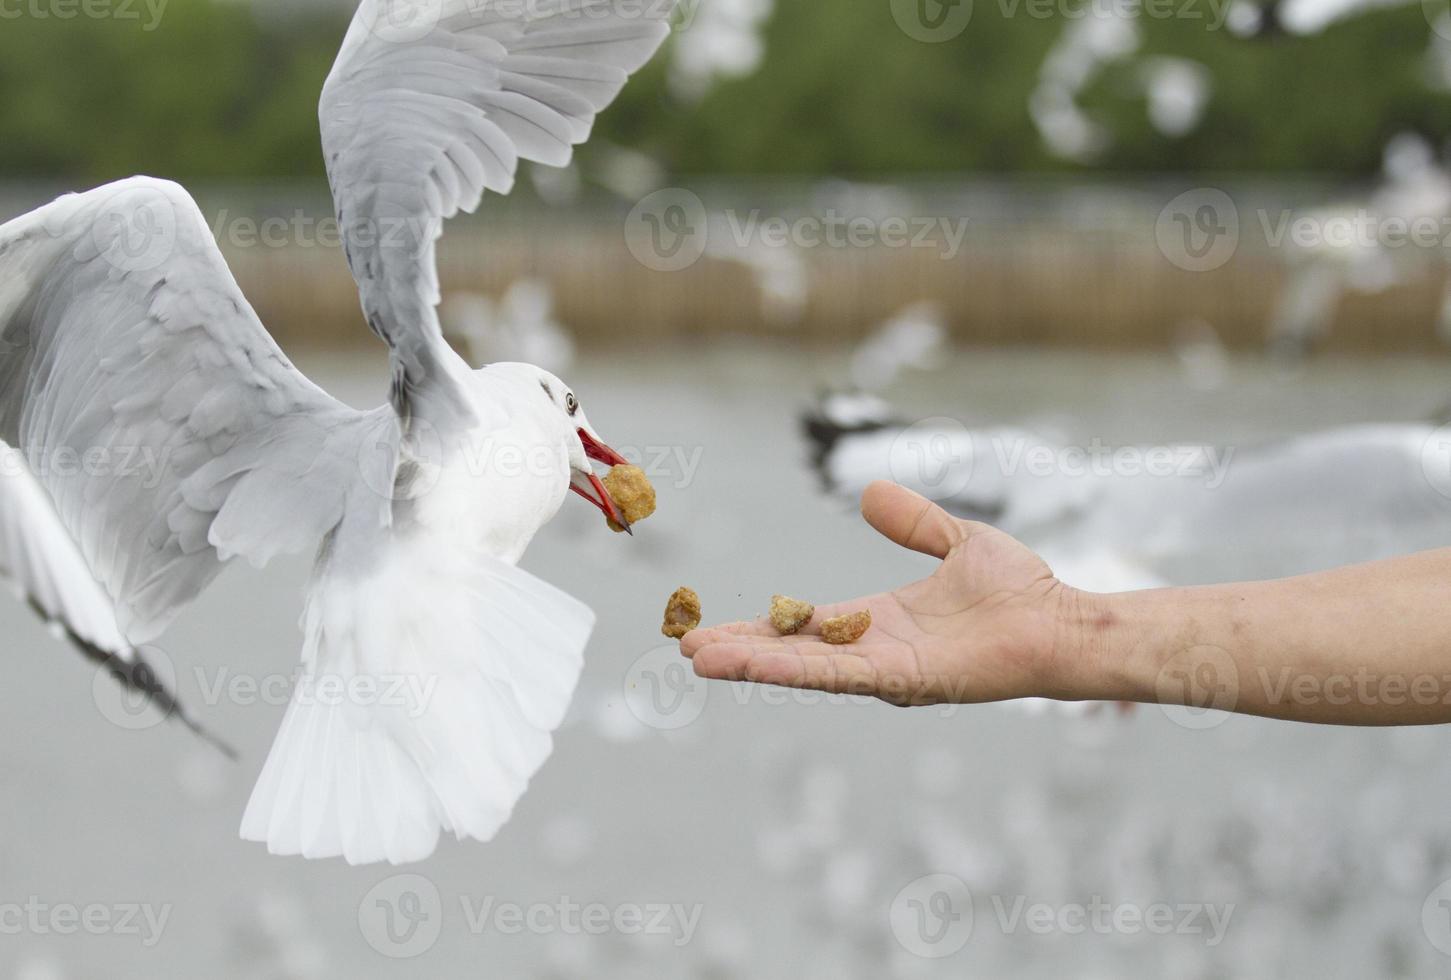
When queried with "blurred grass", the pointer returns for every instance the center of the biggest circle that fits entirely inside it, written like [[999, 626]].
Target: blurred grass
[[1037, 278]]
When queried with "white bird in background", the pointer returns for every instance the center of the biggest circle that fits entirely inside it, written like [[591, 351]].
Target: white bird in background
[[914, 338], [1177, 90], [1201, 514], [1352, 256], [434, 669], [520, 327], [724, 41], [780, 273]]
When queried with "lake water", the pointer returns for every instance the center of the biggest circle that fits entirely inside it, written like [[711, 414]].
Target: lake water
[[705, 832]]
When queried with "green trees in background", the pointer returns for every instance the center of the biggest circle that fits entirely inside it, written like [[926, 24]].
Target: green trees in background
[[215, 90]]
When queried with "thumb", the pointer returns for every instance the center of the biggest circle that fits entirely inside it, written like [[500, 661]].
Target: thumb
[[910, 519]]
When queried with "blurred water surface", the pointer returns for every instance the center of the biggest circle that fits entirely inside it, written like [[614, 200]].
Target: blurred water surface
[[789, 824]]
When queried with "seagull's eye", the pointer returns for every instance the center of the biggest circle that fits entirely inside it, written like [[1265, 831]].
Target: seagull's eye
[[571, 403]]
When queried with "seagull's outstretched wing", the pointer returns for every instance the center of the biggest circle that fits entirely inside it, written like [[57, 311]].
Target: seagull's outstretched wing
[[166, 426], [45, 570], [432, 102]]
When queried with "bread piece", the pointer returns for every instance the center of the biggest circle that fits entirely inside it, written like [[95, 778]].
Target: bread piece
[[632, 493], [682, 613], [846, 629], [788, 615]]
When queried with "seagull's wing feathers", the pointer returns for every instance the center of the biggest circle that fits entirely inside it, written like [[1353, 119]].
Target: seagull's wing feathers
[[168, 429], [42, 565], [432, 102]]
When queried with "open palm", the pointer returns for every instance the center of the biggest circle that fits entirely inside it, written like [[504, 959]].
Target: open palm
[[982, 627]]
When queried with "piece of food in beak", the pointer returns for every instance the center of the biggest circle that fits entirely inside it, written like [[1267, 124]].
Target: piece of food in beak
[[846, 629], [682, 613], [588, 486], [631, 492], [788, 615]]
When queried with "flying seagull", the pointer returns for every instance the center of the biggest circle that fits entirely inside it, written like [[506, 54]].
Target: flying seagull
[[435, 670]]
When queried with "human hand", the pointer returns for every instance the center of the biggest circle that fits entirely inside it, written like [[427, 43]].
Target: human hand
[[991, 623]]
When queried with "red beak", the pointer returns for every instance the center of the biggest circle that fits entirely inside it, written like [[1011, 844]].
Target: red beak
[[588, 486], [599, 452]]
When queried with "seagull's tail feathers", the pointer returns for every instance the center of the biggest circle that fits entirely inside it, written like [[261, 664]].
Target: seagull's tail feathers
[[417, 717]]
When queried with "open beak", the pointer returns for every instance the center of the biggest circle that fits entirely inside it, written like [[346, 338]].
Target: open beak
[[588, 486]]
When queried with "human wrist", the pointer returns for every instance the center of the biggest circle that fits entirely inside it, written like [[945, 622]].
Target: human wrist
[[1114, 646]]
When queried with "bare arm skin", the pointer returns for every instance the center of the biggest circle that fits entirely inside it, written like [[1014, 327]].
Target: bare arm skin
[[1362, 645]]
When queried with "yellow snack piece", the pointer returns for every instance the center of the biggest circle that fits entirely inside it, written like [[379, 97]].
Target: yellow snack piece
[[788, 615], [846, 629], [632, 493], [682, 613]]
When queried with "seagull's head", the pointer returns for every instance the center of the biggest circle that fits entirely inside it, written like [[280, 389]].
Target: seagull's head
[[584, 442]]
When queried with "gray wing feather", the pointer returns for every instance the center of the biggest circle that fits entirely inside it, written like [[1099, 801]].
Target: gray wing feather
[[168, 428], [432, 102], [41, 563]]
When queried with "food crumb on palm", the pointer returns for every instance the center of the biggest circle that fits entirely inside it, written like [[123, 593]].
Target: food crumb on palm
[[846, 629], [788, 615], [682, 613]]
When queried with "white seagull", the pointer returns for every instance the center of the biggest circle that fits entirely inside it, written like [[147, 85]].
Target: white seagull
[[434, 670], [1120, 518]]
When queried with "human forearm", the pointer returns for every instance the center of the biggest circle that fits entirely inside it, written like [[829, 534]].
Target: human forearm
[[1368, 644]]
